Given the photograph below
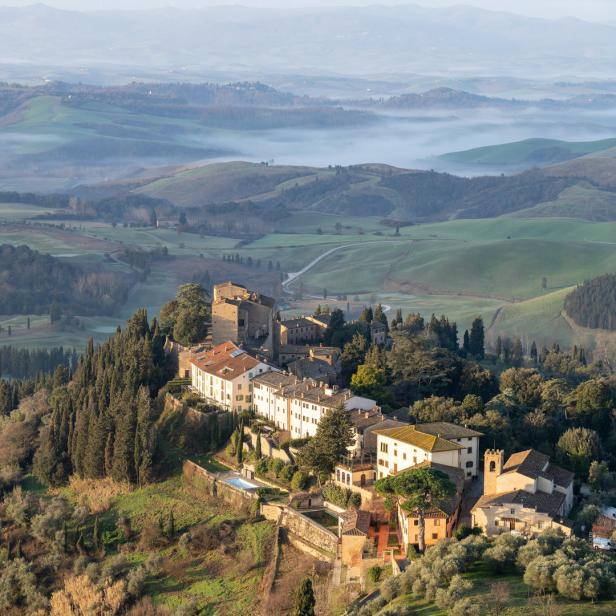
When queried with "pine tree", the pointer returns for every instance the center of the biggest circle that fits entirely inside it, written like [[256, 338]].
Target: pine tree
[[305, 600]]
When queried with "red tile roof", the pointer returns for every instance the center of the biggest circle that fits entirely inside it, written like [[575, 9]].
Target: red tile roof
[[226, 361]]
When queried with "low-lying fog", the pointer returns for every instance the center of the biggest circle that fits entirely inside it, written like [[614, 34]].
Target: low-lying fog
[[413, 141]]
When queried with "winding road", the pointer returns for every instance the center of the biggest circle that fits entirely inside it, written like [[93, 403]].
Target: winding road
[[292, 277]]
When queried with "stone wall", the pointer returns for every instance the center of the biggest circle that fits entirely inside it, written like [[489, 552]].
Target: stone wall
[[304, 528], [269, 449], [208, 483]]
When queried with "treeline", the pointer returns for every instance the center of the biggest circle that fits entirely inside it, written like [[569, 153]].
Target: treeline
[[19, 363], [34, 283], [102, 424], [593, 304], [13, 392], [55, 201]]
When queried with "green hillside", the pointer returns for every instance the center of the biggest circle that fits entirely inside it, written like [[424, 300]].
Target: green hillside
[[582, 201], [529, 151]]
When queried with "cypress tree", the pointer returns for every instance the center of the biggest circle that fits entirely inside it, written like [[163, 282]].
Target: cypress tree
[[258, 453], [499, 347], [305, 600], [170, 526], [533, 352], [466, 347], [477, 339], [96, 540], [239, 450]]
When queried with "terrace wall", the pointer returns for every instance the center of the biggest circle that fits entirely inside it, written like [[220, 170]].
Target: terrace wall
[[201, 479]]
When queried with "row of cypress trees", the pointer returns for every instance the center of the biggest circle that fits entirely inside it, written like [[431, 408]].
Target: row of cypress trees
[[102, 421]]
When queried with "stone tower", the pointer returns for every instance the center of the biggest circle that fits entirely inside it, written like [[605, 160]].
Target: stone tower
[[493, 461]]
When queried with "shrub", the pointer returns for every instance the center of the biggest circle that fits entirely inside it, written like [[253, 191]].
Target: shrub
[[374, 573], [262, 466], [342, 497], [286, 474], [466, 531], [275, 466], [135, 581], [299, 481]]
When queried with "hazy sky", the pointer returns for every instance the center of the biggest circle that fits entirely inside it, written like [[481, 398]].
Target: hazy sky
[[595, 10]]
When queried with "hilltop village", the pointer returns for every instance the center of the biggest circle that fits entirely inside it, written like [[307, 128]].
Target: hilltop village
[[285, 378]]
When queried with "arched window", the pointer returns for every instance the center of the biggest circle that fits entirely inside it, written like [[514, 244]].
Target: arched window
[[492, 466]]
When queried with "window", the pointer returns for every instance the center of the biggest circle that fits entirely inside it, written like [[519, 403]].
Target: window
[[415, 522], [492, 466], [512, 511], [384, 447], [437, 522], [495, 522], [539, 524], [239, 386], [434, 535], [469, 450], [469, 464], [404, 456]]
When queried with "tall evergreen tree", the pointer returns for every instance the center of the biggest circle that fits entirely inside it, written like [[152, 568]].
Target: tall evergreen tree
[[305, 601], [477, 339]]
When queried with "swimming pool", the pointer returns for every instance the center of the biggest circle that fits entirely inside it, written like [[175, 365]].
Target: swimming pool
[[242, 484]]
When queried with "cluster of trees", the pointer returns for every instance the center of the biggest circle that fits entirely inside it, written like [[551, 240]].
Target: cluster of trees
[[33, 283], [142, 259], [188, 316], [550, 563], [593, 304], [102, 423], [28, 363]]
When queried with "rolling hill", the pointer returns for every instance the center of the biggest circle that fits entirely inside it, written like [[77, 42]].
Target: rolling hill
[[529, 152]]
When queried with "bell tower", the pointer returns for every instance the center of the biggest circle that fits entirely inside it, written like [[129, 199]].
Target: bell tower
[[493, 461]]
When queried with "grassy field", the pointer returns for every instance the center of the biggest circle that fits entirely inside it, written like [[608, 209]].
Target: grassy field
[[579, 201], [219, 583], [462, 268]]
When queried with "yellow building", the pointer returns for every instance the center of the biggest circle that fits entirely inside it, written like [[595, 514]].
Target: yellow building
[[440, 521], [526, 494]]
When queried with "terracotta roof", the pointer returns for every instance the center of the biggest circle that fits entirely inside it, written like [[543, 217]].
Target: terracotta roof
[[447, 430], [364, 419], [427, 442], [226, 361], [533, 464], [540, 501], [603, 527], [355, 523]]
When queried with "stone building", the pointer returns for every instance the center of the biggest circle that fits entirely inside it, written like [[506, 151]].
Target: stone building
[[241, 316], [526, 494]]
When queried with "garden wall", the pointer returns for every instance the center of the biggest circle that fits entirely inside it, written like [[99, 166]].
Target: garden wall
[[201, 479]]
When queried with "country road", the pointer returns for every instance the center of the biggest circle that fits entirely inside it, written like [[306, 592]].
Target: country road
[[292, 277]]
